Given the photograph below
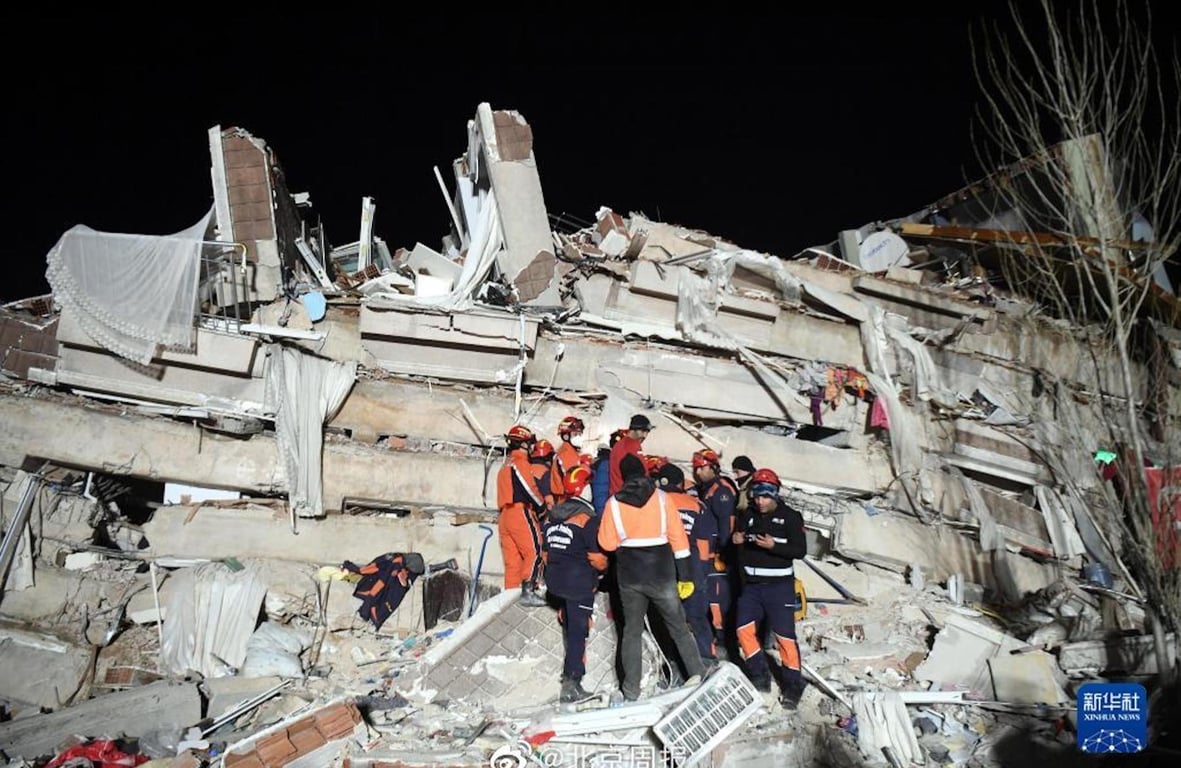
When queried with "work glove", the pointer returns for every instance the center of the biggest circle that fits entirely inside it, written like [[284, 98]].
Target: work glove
[[719, 564], [684, 589]]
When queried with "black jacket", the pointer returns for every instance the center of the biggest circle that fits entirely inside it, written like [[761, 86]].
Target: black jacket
[[786, 526]]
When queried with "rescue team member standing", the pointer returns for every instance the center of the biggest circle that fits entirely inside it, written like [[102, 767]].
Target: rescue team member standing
[[631, 444], [671, 480], [641, 526], [742, 468], [769, 537], [569, 454], [718, 497], [521, 505], [573, 564]]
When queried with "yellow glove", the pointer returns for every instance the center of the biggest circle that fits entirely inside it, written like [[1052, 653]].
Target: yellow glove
[[684, 589]]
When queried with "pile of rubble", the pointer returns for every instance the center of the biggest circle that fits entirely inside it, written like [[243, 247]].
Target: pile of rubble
[[175, 542]]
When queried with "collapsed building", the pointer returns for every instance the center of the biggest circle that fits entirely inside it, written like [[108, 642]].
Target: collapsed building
[[240, 408]]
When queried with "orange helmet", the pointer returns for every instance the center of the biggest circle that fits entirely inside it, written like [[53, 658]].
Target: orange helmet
[[570, 425], [653, 464], [576, 479], [706, 457], [542, 449], [764, 482], [519, 434]]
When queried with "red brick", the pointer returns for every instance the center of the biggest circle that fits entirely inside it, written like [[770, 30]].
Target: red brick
[[238, 177], [250, 193], [307, 741], [250, 211], [248, 760], [243, 158], [273, 749]]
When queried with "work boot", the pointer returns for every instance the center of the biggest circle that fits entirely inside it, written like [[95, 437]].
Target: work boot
[[692, 681], [529, 596], [572, 691], [789, 698]]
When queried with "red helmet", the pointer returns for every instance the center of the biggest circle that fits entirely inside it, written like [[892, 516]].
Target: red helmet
[[576, 479], [764, 482], [706, 457], [519, 434], [585, 460], [617, 435], [765, 476], [542, 449], [653, 464], [570, 425]]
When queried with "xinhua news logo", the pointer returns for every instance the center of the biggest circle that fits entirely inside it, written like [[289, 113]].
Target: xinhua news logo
[[1112, 717]]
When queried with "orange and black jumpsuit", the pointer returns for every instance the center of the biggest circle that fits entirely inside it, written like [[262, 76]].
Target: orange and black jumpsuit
[[521, 505], [702, 563], [768, 590]]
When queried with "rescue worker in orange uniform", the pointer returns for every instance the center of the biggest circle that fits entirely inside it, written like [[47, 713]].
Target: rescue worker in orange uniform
[[631, 444], [569, 454], [573, 565], [718, 498], [671, 480], [769, 537], [652, 567], [549, 482], [521, 505]]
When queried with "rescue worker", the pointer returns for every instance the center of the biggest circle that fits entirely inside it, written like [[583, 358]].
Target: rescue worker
[[643, 528], [573, 565], [601, 483], [631, 444], [742, 468], [671, 480], [541, 460], [521, 505], [718, 497], [569, 454], [653, 465], [768, 538]]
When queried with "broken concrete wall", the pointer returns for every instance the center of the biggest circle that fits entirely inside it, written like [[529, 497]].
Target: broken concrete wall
[[528, 261]]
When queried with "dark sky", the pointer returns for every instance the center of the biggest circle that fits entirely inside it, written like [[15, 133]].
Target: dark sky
[[773, 132]]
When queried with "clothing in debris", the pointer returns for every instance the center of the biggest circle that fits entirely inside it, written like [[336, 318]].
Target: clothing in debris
[[384, 582], [573, 565], [521, 503], [768, 588], [652, 554]]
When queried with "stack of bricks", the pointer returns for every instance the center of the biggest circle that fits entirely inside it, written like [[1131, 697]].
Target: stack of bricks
[[300, 739]]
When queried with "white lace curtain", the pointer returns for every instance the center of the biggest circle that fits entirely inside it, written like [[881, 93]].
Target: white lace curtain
[[131, 293]]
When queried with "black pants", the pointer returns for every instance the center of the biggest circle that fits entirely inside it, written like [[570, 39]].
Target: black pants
[[636, 597]]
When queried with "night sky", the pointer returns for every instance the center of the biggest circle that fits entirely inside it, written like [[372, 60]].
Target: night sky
[[773, 132]]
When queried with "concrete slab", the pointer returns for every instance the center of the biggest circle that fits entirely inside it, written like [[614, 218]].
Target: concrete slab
[[511, 657], [894, 541], [134, 713], [960, 656], [40, 671], [1026, 678], [257, 532]]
